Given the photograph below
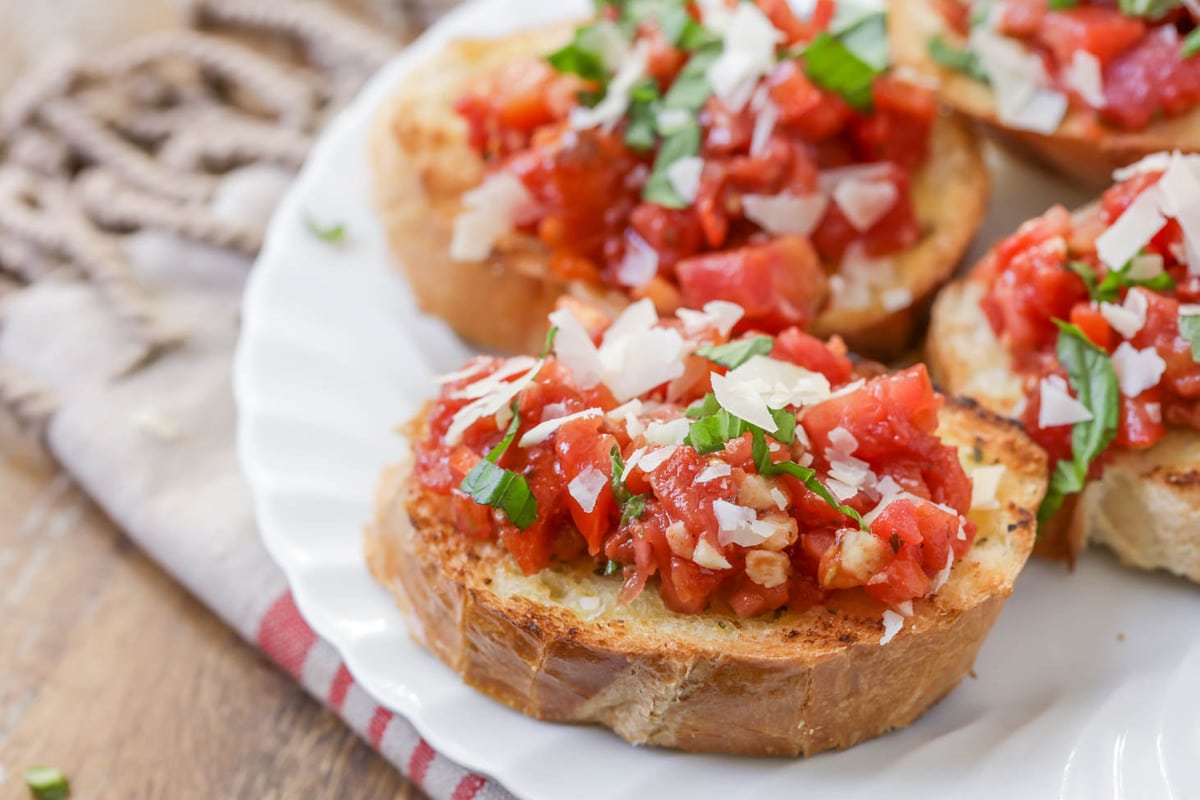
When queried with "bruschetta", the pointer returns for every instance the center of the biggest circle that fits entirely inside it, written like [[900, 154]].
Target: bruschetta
[[1086, 328], [702, 542], [710, 151], [1085, 87]]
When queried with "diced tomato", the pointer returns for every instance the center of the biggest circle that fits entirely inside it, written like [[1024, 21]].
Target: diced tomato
[[901, 581], [749, 599], [673, 233], [779, 283], [897, 229], [782, 17], [1093, 324], [898, 130], [1149, 78], [1104, 32], [956, 13], [505, 107], [808, 351], [581, 448], [687, 587], [1022, 17], [1140, 423], [803, 106]]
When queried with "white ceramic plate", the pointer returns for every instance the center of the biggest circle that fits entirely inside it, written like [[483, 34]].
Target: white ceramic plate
[[1086, 689]]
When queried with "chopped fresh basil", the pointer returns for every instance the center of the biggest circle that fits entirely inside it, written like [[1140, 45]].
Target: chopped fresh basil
[[577, 58], [1109, 288], [834, 66], [963, 61], [864, 32], [1147, 8], [632, 505], [1090, 373], [1189, 327], [330, 234], [703, 407], [738, 352], [1062, 5], [806, 475], [612, 567], [680, 144], [1191, 45], [691, 88], [709, 435], [47, 783], [682, 30]]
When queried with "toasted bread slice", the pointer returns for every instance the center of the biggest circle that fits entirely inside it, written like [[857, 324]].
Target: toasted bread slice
[[423, 164], [1079, 149], [1145, 507], [556, 645]]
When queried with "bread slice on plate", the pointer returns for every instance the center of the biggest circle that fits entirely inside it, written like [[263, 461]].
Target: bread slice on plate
[[1079, 147], [1145, 503], [564, 643], [423, 164]]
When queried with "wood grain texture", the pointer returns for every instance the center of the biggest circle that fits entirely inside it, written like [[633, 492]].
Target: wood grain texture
[[113, 673]]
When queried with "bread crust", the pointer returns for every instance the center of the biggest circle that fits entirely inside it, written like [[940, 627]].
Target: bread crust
[[422, 165], [796, 684], [1079, 149], [1146, 505]]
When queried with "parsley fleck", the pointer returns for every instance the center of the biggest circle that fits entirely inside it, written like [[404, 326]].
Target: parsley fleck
[[47, 783], [330, 234]]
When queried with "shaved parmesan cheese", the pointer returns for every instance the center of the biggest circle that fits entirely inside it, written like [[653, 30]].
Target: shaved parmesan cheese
[[672, 432], [554, 411], [1189, 309], [743, 401], [842, 440], [865, 202], [1132, 230], [842, 491], [830, 179], [640, 262], [740, 525], [781, 499], [764, 123], [634, 406], [707, 556], [684, 176], [632, 462], [1146, 266], [1155, 162], [586, 487], [495, 400], [853, 472], [749, 53], [731, 516], [495, 380], [892, 623], [636, 355], [904, 609], [474, 366], [1043, 113], [1179, 196], [1019, 80], [1137, 370], [1058, 407], [719, 314], [542, 431], [985, 481], [717, 469], [785, 213], [943, 574], [860, 277], [490, 212], [574, 348], [1129, 317], [1083, 75], [653, 459], [897, 298], [609, 111], [782, 383]]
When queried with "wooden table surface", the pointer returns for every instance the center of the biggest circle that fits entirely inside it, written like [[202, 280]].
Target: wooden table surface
[[113, 673]]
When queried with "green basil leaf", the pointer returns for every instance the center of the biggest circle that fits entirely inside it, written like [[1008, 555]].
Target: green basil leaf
[[1062, 5], [833, 66], [691, 88], [575, 59], [681, 144], [633, 509], [490, 485], [766, 467], [1147, 8], [330, 234], [737, 352], [703, 407], [612, 567], [1090, 373], [956, 59], [47, 783], [785, 425], [1085, 271], [1189, 327], [864, 33], [1108, 289], [1191, 45], [709, 435]]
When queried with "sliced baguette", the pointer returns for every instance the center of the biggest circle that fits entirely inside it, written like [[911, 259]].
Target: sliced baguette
[[1145, 507], [422, 165], [1080, 148], [556, 646]]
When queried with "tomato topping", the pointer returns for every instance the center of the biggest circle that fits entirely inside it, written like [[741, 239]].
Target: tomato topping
[[665, 522], [600, 223]]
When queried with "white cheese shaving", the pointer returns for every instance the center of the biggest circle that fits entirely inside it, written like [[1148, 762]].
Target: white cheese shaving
[[1132, 230], [1019, 83], [619, 413], [670, 432], [985, 481], [684, 177], [781, 499], [1084, 75], [743, 401], [841, 490], [1189, 309], [586, 487], [473, 367], [830, 179], [865, 202], [1129, 317], [767, 115], [897, 298], [554, 411], [719, 314], [715, 470], [1155, 162], [490, 211], [653, 459], [543, 431], [497, 398], [609, 111], [1058, 407], [1137, 370], [749, 53], [860, 277], [943, 574], [904, 609], [740, 525], [490, 383], [707, 556], [1145, 267], [785, 213], [639, 264], [843, 440], [1179, 196], [892, 623], [631, 463], [574, 348]]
